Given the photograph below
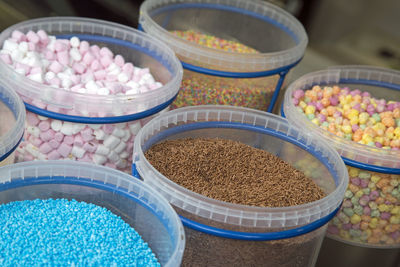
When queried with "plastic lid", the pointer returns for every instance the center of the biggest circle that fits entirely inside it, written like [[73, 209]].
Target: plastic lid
[[272, 16], [354, 76], [129, 42], [12, 111], [235, 214], [65, 169]]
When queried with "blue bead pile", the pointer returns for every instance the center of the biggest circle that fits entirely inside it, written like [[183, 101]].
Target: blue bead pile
[[63, 232]]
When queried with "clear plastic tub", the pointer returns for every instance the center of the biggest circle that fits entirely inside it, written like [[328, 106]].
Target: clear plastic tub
[[225, 234], [215, 76], [371, 165], [84, 112], [12, 119], [136, 203]]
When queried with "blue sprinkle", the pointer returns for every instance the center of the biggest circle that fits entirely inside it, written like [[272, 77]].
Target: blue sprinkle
[[67, 232]]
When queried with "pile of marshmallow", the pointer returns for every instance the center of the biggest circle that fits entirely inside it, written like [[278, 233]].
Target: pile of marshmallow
[[74, 65]]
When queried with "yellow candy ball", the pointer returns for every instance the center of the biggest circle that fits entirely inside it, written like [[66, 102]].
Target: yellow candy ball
[[309, 110], [355, 219]]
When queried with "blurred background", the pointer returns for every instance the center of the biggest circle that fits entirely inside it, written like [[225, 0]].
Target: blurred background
[[340, 31]]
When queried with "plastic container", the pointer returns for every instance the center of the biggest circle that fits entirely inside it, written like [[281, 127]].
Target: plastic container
[[12, 119], [225, 234], [213, 76], [84, 112], [370, 164], [135, 202]]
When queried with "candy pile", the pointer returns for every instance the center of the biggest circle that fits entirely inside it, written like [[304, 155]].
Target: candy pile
[[200, 89], [354, 115], [68, 233], [109, 144], [371, 209], [74, 65]]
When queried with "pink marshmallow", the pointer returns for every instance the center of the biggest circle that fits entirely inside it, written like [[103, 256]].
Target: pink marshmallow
[[78, 141], [83, 47], [45, 148], [59, 137], [36, 70], [87, 134], [28, 157], [110, 165], [119, 60], [95, 65], [76, 88], [60, 46], [144, 71], [64, 149], [111, 78], [56, 67], [44, 125], [35, 141], [6, 58], [55, 81], [63, 57], [75, 79], [54, 155], [44, 38], [95, 49], [54, 143], [19, 36], [25, 67], [32, 37], [31, 46], [69, 140], [88, 58], [128, 68], [78, 68], [100, 74], [106, 61], [90, 147], [108, 128], [86, 158], [32, 119], [49, 55], [106, 52], [47, 135]]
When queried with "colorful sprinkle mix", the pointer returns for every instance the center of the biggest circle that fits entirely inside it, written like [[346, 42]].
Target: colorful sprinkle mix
[[68, 233]]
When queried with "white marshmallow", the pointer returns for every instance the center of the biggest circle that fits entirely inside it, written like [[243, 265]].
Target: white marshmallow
[[42, 118], [99, 134], [121, 163], [102, 150], [124, 155], [75, 54], [91, 87], [35, 131], [51, 44], [49, 76], [17, 55], [112, 67], [78, 152], [111, 141], [82, 90], [99, 159], [37, 77], [133, 85], [23, 47], [126, 136], [74, 42], [67, 128], [66, 83], [121, 125], [31, 149], [10, 45], [95, 126], [87, 78], [77, 127], [41, 156], [20, 71], [112, 156], [56, 125], [120, 147], [123, 77], [132, 92], [135, 128], [118, 132]]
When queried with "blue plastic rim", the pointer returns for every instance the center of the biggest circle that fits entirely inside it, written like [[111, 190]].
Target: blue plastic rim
[[106, 120], [246, 235], [27, 181], [347, 161]]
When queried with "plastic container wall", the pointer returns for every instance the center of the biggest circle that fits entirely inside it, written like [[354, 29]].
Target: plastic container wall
[[135, 202], [81, 123], [220, 233], [377, 169], [12, 119], [230, 78]]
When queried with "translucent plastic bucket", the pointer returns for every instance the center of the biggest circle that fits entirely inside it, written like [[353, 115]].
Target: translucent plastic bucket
[[135, 202], [97, 115], [12, 119], [215, 76], [225, 234], [364, 163]]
